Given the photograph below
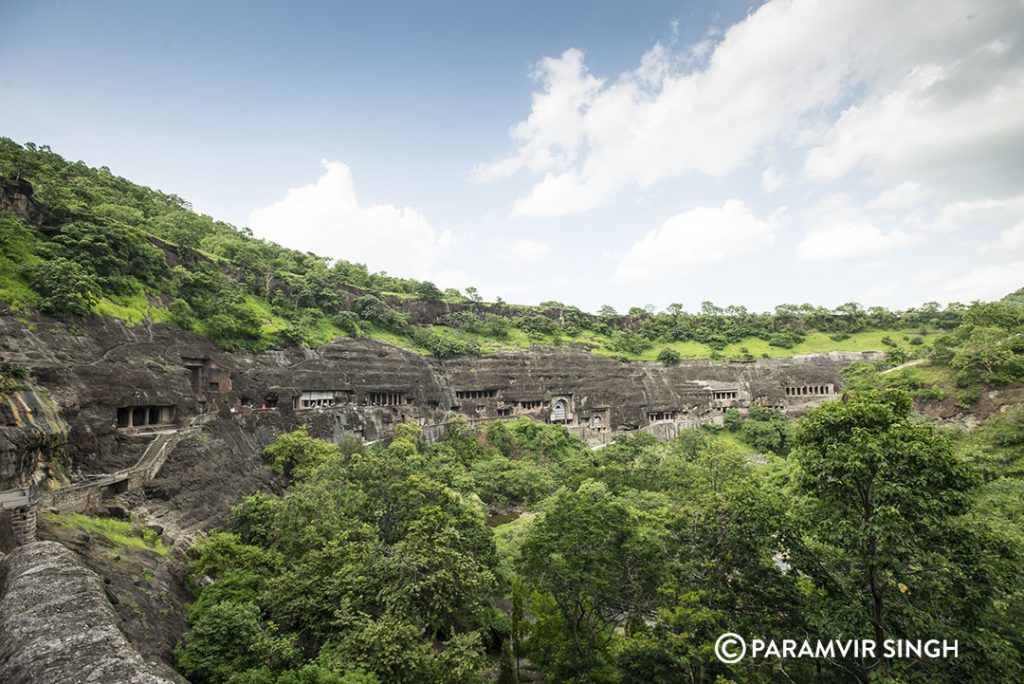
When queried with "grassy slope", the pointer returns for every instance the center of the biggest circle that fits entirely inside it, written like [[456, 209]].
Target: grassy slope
[[119, 532]]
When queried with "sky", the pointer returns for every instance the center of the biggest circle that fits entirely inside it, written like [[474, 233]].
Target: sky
[[591, 153]]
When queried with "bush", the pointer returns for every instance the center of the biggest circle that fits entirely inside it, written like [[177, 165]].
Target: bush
[[444, 345], [629, 342], [535, 324], [372, 310], [66, 287], [669, 356], [787, 339]]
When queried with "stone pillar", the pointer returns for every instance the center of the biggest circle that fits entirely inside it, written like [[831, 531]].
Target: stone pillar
[[23, 524]]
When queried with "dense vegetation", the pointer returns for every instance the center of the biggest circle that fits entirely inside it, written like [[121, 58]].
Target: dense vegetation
[[111, 247], [859, 520]]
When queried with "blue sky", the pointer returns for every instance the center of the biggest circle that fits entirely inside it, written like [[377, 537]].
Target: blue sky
[[586, 152]]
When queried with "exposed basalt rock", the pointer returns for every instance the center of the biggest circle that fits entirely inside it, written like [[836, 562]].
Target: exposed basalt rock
[[146, 589], [32, 436], [100, 372], [57, 625], [16, 196]]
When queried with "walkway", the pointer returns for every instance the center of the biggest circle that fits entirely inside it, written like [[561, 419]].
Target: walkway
[[24, 501]]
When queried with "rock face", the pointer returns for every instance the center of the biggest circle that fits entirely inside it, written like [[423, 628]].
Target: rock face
[[57, 625], [16, 196], [32, 435], [114, 385]]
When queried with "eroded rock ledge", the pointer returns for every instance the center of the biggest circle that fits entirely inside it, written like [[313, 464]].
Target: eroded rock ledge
[[57, 625]]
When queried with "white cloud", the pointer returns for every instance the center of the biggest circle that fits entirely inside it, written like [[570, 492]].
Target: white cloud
[[530, 250], [552, 134], [925, 85], [920, 126], [850, 240], [1012, 239], [326, 217], [771, 179], [985, 283], [906, 194], [974, 213], [702, 235]]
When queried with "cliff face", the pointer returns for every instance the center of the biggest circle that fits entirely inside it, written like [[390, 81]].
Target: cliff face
[[16, 196], [57, 625], [32, 436], [114, 385]]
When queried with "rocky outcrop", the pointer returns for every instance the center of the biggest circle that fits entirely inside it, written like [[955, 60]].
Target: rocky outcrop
[[32, 436], [57, 625], [16, 197]]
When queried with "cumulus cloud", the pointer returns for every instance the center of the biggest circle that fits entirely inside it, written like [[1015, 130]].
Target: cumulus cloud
[[1011, 240], [771, 179], [973, 213], [985, 283], [850, 240], [699, 236], [552, 134], [917, 86], [326, 217], [530, 250], [842, 229], [905, 195]]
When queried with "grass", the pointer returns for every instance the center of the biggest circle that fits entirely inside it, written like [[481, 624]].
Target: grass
[[119, 532], [17, 251], [132, 309], [815, 342]]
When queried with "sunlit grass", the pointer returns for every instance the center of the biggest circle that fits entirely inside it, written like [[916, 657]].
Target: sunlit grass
[[119, 532], [132, 309]]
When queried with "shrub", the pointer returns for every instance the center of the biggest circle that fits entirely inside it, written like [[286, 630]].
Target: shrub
[[669, 356], [66, 287]]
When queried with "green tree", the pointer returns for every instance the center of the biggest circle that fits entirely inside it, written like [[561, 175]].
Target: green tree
[[66, 287], [232, 637], [884, 532], [588, 554], [296, 453]]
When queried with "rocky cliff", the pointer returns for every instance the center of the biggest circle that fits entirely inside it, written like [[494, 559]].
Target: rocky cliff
[[57, 625], [114, 385]]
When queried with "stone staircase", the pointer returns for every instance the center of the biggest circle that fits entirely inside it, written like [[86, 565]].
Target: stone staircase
[[23, 502]]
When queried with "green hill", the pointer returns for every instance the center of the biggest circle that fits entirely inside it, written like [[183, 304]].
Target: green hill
[[100, 244]]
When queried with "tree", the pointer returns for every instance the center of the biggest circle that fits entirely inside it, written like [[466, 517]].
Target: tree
[[883, 532], [990, 354], [232, 637], [298, 453], [587, 553], [66, 287], [429, 292]]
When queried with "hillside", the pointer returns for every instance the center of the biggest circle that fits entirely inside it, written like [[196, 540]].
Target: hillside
[[83, 241], [261, 483]]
